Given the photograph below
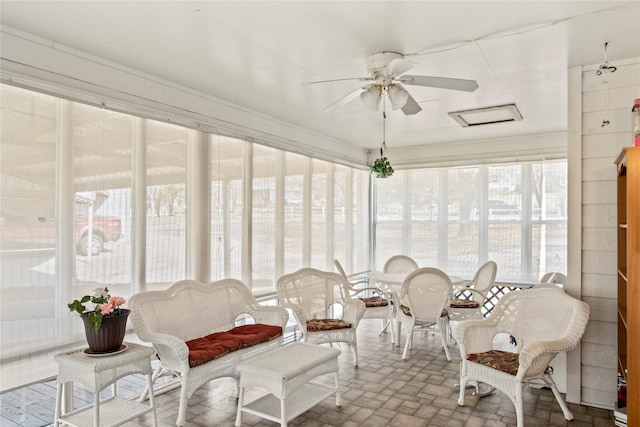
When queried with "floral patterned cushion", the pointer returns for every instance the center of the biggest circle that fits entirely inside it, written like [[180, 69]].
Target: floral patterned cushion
[[407, 311], [375, 302], [464, 303], [326, 324], [504, 361], [216, 345]]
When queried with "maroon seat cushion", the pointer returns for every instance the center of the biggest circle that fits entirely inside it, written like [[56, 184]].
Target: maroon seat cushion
[[375, 301], [218, 344], [326, 324], [255, 334], [407, 311], [504, 361]]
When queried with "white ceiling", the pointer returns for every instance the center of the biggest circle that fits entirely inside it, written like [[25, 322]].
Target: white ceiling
[[261, 55]]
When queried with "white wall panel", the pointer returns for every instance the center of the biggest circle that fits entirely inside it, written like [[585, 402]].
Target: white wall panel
[[619, 120], [604, 145], [603, 333], [600, 285], [602, 309], [599, 215], [599, 239], [594, 354], [598, 262], [605, 99], [598, 387], [599, 192], [598, 169]]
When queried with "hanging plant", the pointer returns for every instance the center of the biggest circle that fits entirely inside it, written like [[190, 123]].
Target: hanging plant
[[381, 167]]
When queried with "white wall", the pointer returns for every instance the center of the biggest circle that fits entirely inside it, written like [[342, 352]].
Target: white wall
[[602, 98]]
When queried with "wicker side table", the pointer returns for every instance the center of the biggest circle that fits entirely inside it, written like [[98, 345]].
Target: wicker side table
[[96, 373], [286, 373]]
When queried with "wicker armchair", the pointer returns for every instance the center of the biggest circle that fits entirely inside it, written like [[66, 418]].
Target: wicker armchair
[[173, 319], [543, 322], [475, 291], [422, 303], [400, 264], [378, 306], [322, 306]]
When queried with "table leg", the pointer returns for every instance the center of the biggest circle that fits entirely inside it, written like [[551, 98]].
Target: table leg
[[96, 409], [283, 413], [338, 394], [67, 397], [240, 402], [57, 414]]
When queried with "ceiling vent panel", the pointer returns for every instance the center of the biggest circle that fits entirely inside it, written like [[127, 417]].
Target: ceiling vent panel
[[487, 115]]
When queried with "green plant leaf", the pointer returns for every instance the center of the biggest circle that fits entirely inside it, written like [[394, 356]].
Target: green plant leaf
[[95, 321], [76, 306]]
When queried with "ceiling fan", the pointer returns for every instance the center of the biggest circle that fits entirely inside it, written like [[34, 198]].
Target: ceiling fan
[[387, 76]]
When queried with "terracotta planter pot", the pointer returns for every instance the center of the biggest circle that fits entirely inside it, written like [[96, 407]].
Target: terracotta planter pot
[[110, 335]]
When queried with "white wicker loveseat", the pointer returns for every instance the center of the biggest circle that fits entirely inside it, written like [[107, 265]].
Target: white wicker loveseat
[[194, 329]]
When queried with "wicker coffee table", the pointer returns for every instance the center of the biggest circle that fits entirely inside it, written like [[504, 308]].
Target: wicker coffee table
[[286, 373]]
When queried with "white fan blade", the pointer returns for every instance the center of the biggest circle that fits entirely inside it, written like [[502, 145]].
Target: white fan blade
[[346, 99], [400, 66], [440, 82], [362, 79], [411, 107]]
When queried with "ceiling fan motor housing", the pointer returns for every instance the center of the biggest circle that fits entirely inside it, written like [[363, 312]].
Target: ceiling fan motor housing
[[378, 63]]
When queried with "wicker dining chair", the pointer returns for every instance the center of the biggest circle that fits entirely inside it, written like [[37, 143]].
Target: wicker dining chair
[[468, 301], [378, 305], [400, 264], [322, 307], [422, 304], [542, 323], [553, 278]]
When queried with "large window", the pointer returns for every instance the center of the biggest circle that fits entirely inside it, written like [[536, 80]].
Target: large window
[[94, 198], [458, 218]]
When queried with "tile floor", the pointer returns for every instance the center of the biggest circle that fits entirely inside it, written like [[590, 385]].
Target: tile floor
[[385, 391]]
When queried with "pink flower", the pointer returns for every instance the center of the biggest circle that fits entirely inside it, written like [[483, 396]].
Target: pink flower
[[106, 309], [116, 301]]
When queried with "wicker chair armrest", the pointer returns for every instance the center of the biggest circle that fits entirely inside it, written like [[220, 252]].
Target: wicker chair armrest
[[353, 311], [299, 315], [172, 350], [270, 315], [474, 336], [535, 357]]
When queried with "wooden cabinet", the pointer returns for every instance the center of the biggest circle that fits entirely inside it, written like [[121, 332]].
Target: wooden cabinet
[[628, 166]]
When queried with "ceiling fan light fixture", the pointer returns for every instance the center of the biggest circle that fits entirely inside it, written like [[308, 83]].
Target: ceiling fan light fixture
[[398, 96], [371, 98], [487, 115]]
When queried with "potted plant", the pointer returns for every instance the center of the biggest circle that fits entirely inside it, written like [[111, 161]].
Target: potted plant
[[105, 321], [381, 167]]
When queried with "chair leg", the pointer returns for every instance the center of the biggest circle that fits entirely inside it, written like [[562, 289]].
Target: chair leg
[[519, 404], [463, 386], [565, 409], [407, 346], [182, 408], [387, 324], [159, 371], [355, 355], [443, 325]]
